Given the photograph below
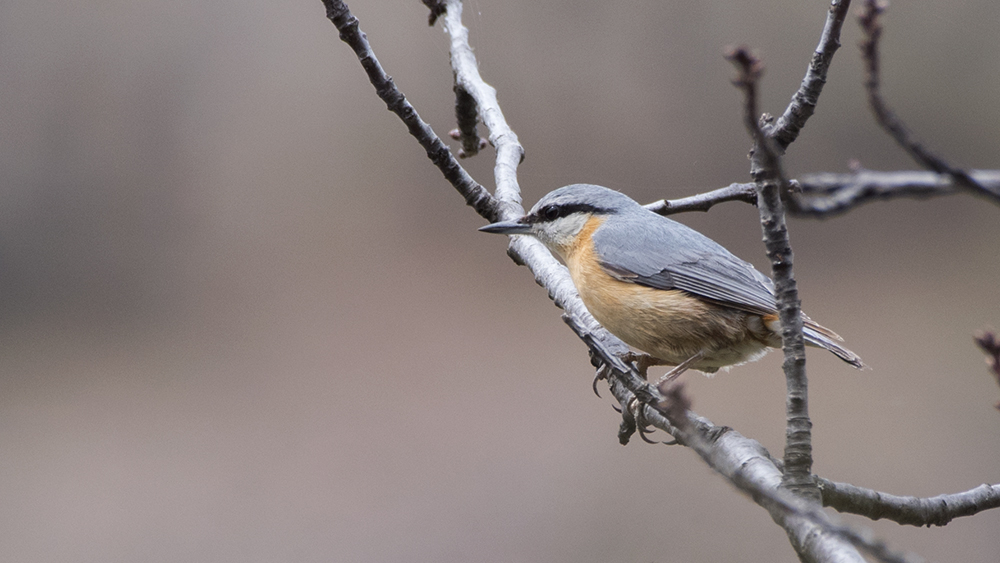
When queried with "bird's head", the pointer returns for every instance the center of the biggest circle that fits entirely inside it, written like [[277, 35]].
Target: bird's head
[[557, 219]]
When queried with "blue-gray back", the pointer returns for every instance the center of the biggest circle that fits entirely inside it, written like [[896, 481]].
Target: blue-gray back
[[639, 246]]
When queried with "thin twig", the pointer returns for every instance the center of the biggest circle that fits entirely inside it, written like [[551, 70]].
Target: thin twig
[[912, 511], [786, 128], [746, 193], [771, 183], [869, 19]]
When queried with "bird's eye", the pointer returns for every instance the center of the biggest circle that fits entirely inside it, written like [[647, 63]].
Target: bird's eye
[[549, 213]]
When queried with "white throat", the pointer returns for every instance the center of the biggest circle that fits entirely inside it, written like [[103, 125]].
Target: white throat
[[559, 235]]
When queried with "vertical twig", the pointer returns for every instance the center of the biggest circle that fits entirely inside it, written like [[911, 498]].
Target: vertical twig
[[771, 183]]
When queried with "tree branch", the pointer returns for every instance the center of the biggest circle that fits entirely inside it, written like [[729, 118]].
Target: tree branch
[[912, 511], [548, 272], [887, 119], [826, 194], [803, 103], [767, 174], [746, 193]]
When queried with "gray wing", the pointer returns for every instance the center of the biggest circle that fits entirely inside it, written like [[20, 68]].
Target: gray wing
[[660, 253]]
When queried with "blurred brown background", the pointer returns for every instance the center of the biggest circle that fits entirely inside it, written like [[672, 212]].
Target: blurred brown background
[[244, 319]]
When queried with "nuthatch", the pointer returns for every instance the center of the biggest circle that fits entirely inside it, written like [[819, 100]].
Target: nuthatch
[[660, 286]]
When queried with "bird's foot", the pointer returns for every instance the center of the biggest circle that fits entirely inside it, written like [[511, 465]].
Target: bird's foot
[[642, 362]]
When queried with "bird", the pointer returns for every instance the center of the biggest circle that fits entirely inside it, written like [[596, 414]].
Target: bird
[[660, 286]]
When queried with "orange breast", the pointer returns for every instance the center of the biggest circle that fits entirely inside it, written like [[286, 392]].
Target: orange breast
[[672, 325]]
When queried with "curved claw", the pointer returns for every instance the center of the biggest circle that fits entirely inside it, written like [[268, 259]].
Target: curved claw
[[635, 407], [643, 430], [602, 373]]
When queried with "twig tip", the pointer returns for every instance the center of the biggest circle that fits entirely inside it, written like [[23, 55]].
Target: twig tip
[[437, 8], [747, 62]]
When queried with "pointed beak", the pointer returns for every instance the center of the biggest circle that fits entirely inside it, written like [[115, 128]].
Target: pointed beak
[[507, 228]]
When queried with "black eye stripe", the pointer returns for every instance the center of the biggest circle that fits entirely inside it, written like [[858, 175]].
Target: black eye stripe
[[553, 212]]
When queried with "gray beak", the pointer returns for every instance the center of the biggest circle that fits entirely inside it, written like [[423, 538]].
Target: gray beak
[[507, 228]]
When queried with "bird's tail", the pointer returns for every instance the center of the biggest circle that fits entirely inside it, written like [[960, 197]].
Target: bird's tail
[[822, 337]]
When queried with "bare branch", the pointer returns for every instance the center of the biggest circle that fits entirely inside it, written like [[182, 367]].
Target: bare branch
[[766, 172], [703, 202], [475, 195], [887, 119], [803, 103], [912, 511], [527, 251], [828, 194]]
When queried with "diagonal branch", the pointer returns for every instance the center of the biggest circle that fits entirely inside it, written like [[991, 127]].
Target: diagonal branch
[[913, 511], [888, 120], [803, 103]]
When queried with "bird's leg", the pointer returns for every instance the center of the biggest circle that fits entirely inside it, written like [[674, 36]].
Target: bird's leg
[[679, 369], [642, 362]]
